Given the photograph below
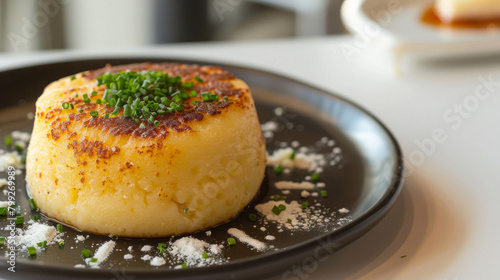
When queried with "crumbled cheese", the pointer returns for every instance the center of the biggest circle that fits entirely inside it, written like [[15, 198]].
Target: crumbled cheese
[[4, 204], [268, 129], [10, 159], [270, 237], [158, 261], [243, 237], [37, 233], [130, 249], [102, 253], [343, 210], [128, 256], [294, 186], [21, 136], [79, 266], [208, 233], [263, 228], [146, 248], [3, 182], [80, 238], [146, 257], [305, 194]]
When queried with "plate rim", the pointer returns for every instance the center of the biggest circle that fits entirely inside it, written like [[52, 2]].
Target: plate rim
[[375, 213]]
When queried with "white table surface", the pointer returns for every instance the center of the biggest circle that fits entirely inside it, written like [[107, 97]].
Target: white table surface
[[446, 219]]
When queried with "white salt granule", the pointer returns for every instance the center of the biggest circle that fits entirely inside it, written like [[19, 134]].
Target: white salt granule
[[80, 238], [294, 186], [343, 210], [37, 233], [158, 261], [128, 256], [130, 249], [146, 248], [102, 253], [243, 237]]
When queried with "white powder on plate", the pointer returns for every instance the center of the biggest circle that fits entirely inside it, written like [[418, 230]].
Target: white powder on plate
[[37, 233], [270, 237], [243, 237], [158, 261], [294, 186], [146, 257], [190, 250], [102, 253]]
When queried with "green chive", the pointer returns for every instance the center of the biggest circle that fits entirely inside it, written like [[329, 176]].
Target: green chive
[[93, 260], [36, 218], [2, 240], [323, 193], [72, 107], [65, 105], [61, 244], [98, 101], [252, 217], [204, 255], [94, 113], [315, 176], [292, 156], [31, 251], [33, 204], [19, 148], [42, 244], [8, 140], [86, 253], [59, 228], [231, 242], [276, 210], [288, 221], [19, 220], [186, 210], [282, 207], [94, 93], [106, 116], [72, 78], [161, 247], [86, 98], [81, 111], [278, 169], [198, 79], [194, 93], [226, 99], [184, 265], [142, 126], [194, 102], [156, 123], [305, 204], [3, 211]]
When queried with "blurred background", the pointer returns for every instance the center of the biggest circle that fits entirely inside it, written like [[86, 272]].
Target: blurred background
[[27, 25]]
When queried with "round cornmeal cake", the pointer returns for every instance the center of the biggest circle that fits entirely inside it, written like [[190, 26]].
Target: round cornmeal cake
[[145, 150]]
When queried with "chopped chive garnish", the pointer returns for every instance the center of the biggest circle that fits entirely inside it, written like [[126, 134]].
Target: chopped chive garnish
[[282, 207], [161, 247], [19, 148], [276, 210], [226, 99], [276, 197], [252, 217], [19, 220], [198, 79], [94, 113], [231, 242], [72, 106], [315, 176], [323, 193], [2, 240], [156, 123], [278, 169], [186, 210], [72, 78], [81, 111], [292, 156], [8, 140], [65, 105], [98, 101], [31, 251], [94, 93], [3, 211], [33, 204], [204, 255], [61, 244], [194, 102], [93, 260], [36, 218], [86, 98], [59, 228], [184, 265], [85, 253], [106, 116], [142, 126], [288, 221], [305, 204], [193, 93], [42, 244]]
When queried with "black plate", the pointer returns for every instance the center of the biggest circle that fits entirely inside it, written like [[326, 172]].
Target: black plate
[[366, 181]]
